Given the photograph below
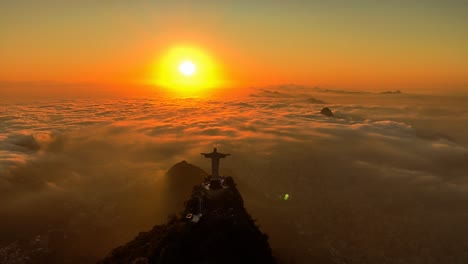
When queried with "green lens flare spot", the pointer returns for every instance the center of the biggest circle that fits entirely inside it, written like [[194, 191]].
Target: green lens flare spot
[[286, 197]]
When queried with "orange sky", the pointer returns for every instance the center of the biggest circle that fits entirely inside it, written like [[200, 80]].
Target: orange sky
[[360, 45]]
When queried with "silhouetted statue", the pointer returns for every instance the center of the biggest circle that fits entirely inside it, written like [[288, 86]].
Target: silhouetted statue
[[215, 156]]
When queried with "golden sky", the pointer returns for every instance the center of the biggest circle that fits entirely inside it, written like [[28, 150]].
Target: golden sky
[[346, 44]]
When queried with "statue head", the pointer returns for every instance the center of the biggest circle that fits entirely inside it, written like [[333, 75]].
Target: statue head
[[215, 150]]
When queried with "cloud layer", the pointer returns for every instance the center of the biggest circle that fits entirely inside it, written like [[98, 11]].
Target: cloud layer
[[371, 182]]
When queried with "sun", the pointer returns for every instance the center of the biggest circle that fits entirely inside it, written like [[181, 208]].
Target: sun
[[187, 68]]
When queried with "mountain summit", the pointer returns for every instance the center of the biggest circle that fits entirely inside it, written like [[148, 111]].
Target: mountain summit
[[214, 227]]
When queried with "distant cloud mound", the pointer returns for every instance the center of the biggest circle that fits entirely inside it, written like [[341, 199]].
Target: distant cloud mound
[[23, 142], [312, 100], [392, 92], [339, 91], [434, 136], [271, 94]]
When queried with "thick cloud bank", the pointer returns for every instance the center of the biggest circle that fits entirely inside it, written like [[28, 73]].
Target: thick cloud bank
[[384, 181]]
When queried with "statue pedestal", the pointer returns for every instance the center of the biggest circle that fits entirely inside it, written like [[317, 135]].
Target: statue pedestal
[[216, 184]]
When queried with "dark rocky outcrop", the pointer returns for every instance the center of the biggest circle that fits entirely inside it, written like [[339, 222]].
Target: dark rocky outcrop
[[327, 112], [225, 233]]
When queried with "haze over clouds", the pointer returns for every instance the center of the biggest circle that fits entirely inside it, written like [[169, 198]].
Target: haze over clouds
[[382, 181]]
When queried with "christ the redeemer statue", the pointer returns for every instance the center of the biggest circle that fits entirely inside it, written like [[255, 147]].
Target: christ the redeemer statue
[[215, 156]]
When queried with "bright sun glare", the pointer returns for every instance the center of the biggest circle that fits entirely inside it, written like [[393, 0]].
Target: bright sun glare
[[187, 68]]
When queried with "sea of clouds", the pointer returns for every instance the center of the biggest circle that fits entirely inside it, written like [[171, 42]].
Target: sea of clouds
[[384, 181]]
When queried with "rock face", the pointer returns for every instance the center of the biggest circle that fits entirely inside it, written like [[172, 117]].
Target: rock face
[[181, 178], [327, 112], [179, 172], [214, 227]]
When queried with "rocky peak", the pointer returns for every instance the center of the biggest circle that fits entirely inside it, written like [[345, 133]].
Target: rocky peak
[[327, 112], [214, 227]]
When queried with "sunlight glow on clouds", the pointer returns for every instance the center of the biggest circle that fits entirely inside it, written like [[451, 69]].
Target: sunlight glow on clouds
[[108, 157]]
